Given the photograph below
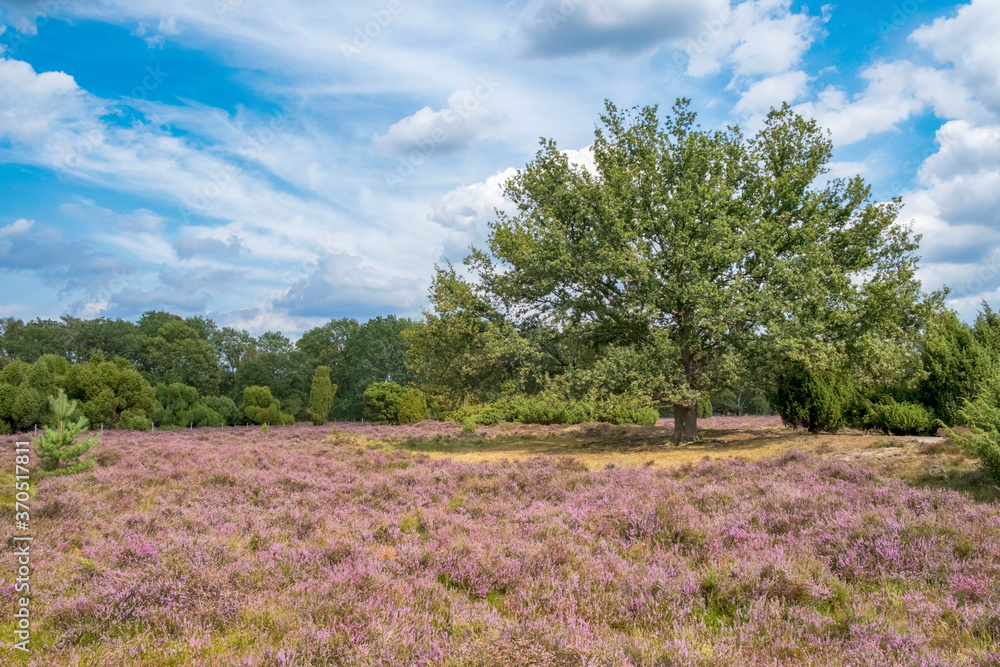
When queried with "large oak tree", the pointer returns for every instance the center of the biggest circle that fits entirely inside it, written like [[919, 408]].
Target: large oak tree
[[717, 252]]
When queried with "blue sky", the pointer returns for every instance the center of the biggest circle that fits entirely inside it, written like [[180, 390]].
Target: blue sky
[[277, 164]]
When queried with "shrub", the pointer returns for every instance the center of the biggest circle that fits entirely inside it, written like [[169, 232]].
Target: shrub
[[58, 449], [226, 408], [321, 396], [413, 407], [381, 402], [813, 399], [705, 408], [260, 408], [469, 425], [133, 420], [629, 410], [983, 437], [895, 418]]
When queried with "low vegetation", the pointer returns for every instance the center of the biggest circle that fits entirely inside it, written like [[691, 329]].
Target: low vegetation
[[351, 549]]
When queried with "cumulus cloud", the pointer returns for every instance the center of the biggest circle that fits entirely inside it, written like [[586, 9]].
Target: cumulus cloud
[[446, 130], [466, 211], [771, 92], [755, 38], [969, 42], [16, 228]]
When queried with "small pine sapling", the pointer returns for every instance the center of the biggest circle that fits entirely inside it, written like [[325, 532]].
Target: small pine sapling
[[58, 449]]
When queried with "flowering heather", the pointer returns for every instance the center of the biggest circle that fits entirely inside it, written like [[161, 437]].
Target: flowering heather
[[231, 547]]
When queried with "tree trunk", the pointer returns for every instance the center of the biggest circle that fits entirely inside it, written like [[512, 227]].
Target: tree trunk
[[685, 423]]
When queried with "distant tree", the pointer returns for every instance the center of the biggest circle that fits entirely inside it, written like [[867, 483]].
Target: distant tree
[[177, 353], [705, 249], [321, 396], [465, 351], [376, 352], [233, 348], [274, 342], [324, 345]]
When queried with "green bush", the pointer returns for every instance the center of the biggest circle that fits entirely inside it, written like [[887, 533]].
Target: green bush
[[133, 420], [226, 408], [629, 410], [983, 439], [705, 408], [413, 407], [260, 408], [321, 395], [381, 402], [812, 399], [895, 418]]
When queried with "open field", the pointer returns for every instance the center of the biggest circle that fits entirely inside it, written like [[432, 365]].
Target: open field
[[519, 545]]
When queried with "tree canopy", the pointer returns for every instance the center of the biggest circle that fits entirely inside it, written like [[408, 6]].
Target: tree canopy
[[703, 252]]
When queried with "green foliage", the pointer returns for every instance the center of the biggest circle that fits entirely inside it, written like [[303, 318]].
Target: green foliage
[[226, 408], [58, 449], [260, 407], [108, 388], [813, 399], [705, 408], [382, 401], [895, 418], [983, 440], [548, 408], [321, 396], [133, 420], [743, 400], [413, 407], [374, 352], [177, 353], [957, 367], [722, 249]]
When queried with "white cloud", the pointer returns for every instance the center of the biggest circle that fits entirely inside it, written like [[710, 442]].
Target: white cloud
[[16, 228], [755, 38], [969, 42], [454, 127], [771, 92], [466, 211]]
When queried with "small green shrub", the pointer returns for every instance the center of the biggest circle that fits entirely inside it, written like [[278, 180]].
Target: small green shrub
[[226, 408], [629, 410], [894, 418], [983, 438], [413, 407], [705, 408], [133, 420], [469, 425], [260, 408], [382, 401], [813, 399]]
